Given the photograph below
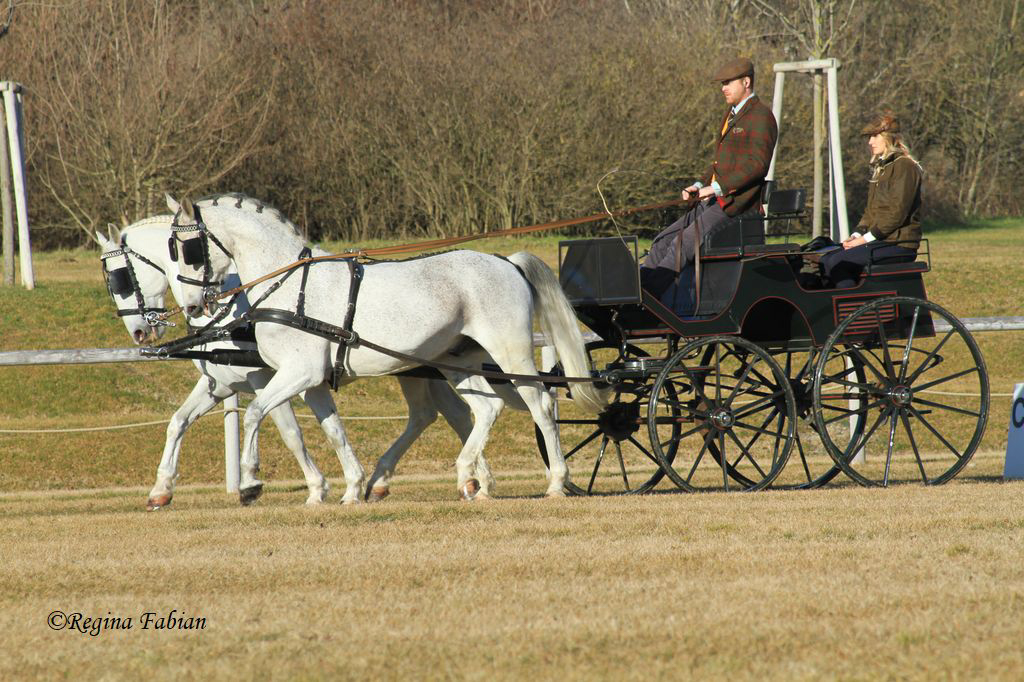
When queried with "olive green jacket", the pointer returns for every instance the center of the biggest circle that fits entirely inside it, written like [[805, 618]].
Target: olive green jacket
[[893, 213]]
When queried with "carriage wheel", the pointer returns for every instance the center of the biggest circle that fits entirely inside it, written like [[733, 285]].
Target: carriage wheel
[[925, 393], [604, 453], [810, 464], [725, 409]]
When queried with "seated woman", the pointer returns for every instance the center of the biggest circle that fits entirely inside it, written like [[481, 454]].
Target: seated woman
[[890, 229]]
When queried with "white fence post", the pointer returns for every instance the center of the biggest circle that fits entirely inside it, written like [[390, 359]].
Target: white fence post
[[15, 141], [231, 454]]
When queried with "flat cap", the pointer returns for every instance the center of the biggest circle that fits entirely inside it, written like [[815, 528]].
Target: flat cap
[[881, 123], [734, 68]]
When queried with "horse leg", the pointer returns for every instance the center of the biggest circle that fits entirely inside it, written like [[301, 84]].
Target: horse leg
[[486, 407], [319, 400], [457, 413], [279, 389], [201, 400], [542, 409], [291, 434], [421, 415], [288, 426]]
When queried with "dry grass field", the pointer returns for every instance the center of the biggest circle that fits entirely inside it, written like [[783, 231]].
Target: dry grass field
[[843, 582]]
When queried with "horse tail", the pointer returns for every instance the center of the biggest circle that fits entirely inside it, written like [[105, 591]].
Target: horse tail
[[558, 321]]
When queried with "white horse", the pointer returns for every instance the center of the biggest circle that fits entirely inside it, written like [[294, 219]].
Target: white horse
[[142, 250], [425, 308]]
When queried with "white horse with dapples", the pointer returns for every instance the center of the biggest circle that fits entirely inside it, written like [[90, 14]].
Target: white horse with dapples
[[142, 247], [425, 308]]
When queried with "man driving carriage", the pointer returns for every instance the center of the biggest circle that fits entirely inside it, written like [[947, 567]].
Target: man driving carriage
[[733, 183]]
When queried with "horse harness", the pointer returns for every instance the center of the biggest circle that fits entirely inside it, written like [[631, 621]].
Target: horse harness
[[343, 335]]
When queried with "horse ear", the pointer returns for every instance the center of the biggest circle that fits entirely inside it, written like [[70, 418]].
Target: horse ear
[[188, 209], [101, 240], [113, 233], [171, 203]]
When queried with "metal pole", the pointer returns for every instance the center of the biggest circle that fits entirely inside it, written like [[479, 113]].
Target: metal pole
[[838, 181], [231, 453], [7, 206], [12, 106]]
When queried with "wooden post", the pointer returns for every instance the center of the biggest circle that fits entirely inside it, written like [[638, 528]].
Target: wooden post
[[818, 166], [232, 472], [838, 179], [7, 206], [12, 107]]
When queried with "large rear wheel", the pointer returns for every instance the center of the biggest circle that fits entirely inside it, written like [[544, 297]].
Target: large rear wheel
[[924, 393]]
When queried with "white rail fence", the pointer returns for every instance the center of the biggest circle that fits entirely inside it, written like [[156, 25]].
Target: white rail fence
[[88, 356]]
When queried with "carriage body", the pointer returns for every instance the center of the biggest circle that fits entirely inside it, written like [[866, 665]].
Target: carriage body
[[750, 365]]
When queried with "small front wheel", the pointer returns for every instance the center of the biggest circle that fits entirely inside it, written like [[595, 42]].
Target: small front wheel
[[726, 411]]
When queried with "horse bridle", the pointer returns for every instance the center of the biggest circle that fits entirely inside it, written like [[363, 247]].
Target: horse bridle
[[196, 250], [122, 281]]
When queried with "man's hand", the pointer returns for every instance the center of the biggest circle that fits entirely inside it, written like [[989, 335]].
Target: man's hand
[[706, 192], [688, 192]]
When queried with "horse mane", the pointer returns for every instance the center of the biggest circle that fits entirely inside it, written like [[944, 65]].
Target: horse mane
[[249, 204], [165, 218]]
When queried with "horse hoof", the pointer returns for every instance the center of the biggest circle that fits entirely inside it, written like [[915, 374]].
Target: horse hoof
[[354, 500], [481, 497], [158, 502], [378, 494], [249, 495], [469, 489], [553, 494]]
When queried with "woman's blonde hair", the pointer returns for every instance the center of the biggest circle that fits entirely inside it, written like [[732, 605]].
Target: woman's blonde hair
[[888, 127]]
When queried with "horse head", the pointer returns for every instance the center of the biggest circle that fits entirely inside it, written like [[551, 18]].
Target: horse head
[[201, 258], [136, 284]]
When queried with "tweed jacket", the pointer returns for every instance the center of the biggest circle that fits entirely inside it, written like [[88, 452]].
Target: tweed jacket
[[742, 156], [893, 213]]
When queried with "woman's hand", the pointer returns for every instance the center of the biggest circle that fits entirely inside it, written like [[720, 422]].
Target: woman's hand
[[851, 242]]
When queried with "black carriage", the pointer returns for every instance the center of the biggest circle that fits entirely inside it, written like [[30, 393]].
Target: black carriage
[[743, 365]]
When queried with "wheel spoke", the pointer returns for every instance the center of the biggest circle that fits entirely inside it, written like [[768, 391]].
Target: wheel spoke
[[910, 342], [859, 354], [622, 465], [743, 377], [644, 450], [958, 410], [718, 374], [928, 358], [803, 459], [700, 455], [744, 453], [753, 439], [867, 436], [576, 449], [888, 453], [931, 428], [597, 465], [749, 427], [886, 358], [924, 387], [850, 413], [756, 406], [913, 445], [723, 460]]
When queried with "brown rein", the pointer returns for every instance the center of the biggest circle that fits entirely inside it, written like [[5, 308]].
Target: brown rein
[[437, 243]]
